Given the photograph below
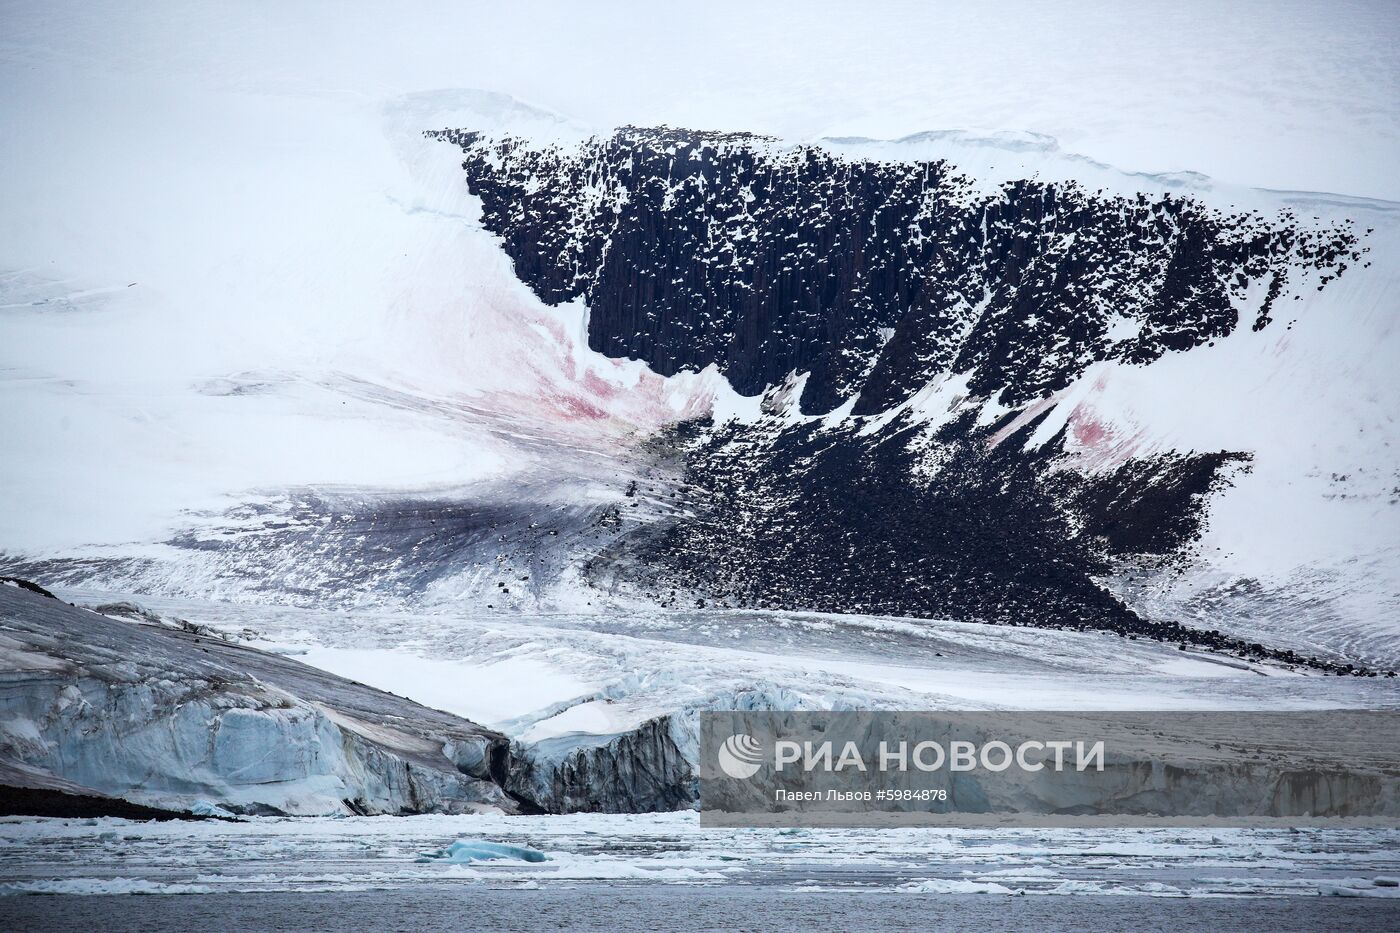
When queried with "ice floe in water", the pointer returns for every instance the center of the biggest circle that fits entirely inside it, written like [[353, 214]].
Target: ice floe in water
[[957, 886], [465, 851], [102, 886]]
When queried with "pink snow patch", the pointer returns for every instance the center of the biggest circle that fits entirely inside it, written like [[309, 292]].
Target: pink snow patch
[[1088, 433], [599, 386], [577, 409], [1097, 445]]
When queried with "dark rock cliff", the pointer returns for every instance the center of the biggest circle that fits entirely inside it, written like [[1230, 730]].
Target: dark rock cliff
[[871, 279], [698, 248]]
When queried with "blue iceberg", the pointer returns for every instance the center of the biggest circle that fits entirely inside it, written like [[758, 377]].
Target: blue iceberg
[[465, 851]]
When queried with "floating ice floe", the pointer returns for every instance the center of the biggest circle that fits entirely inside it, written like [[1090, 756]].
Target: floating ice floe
[[466, 851], [956, 886], [101, 886]]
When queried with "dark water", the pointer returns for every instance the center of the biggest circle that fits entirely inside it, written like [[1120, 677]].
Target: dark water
[[676, 908]]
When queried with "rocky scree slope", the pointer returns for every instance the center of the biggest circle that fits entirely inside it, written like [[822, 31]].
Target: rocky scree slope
[[851, 294]]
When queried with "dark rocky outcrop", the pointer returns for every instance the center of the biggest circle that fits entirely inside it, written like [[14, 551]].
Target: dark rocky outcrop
[[694, 248], [872, 279]]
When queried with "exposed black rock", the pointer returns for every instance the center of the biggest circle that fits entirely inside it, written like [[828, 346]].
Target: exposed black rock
[[1152, 505], [826, 519], [26, 585], [693, 249], [31, 801], [873, 278]]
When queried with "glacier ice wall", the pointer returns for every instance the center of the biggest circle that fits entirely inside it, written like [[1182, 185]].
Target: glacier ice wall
[[168, 717]]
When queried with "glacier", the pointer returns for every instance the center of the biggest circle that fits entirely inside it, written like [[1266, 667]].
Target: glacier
[[600, 710], [97, 707]]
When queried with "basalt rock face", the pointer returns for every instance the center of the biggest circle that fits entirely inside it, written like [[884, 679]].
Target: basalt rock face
[[847, 291], [693, 249]]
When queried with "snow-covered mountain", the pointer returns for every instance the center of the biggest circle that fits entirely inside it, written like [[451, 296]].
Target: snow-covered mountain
[[952, 376], [657, 334]]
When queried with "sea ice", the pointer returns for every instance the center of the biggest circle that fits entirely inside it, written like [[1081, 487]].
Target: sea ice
[[465, 851], [957, 886]]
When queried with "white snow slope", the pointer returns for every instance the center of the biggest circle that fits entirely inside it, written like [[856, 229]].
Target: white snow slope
[[229, 265]]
